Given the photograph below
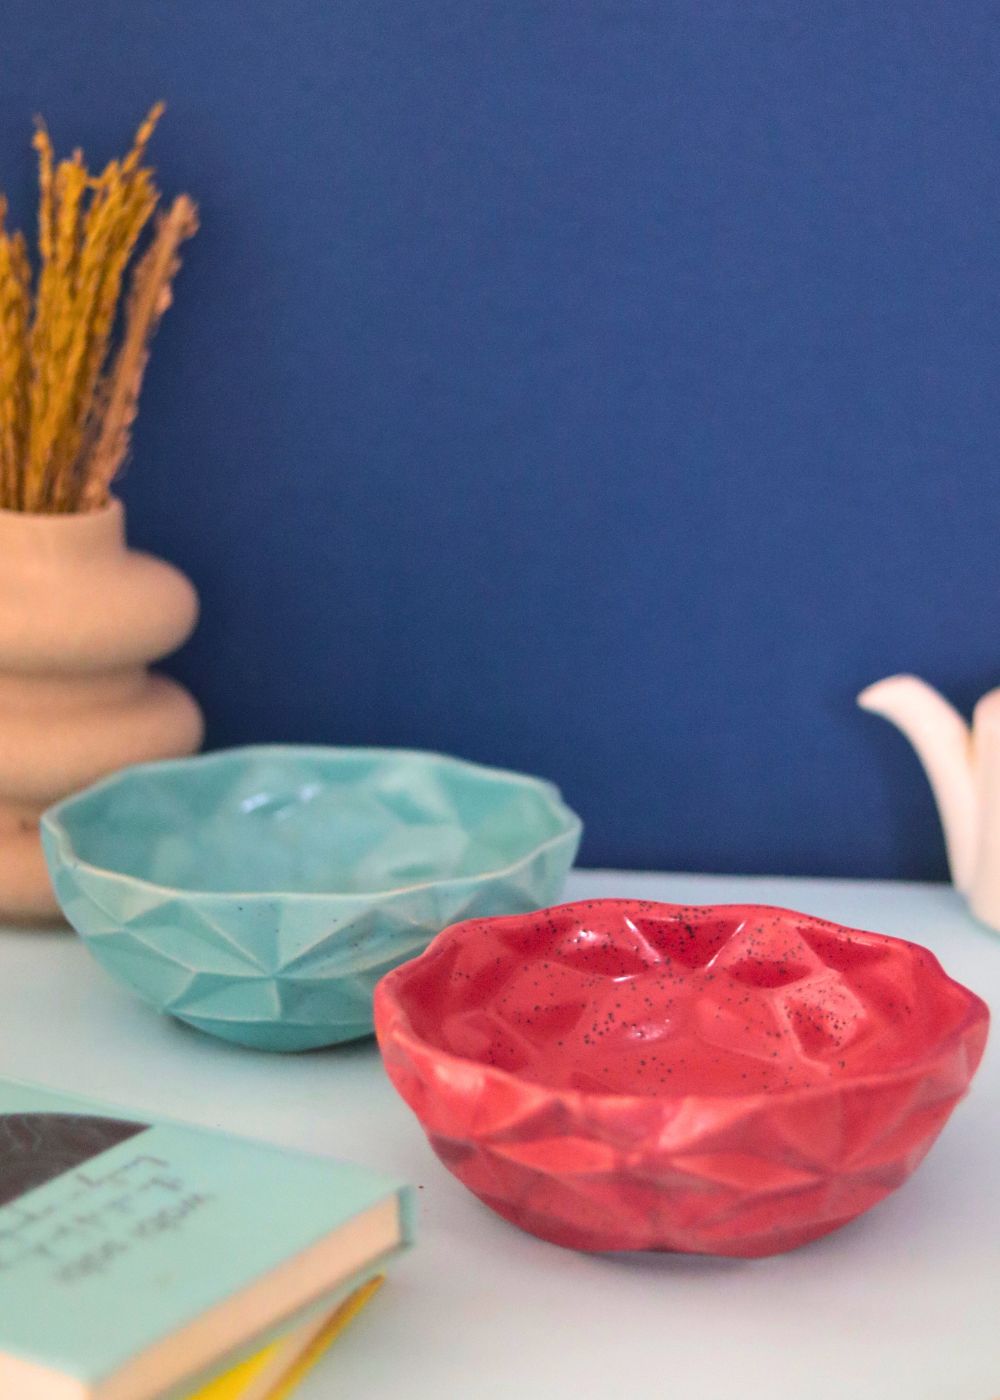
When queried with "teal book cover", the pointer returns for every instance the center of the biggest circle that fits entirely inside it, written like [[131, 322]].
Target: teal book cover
[[135, 1252]]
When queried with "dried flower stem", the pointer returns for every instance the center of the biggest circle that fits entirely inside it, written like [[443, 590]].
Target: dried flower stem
[[67, 399], [15, 311], [148, 300]]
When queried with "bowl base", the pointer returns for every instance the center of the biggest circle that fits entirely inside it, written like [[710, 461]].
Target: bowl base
[[598, 1242], [275, 1037]]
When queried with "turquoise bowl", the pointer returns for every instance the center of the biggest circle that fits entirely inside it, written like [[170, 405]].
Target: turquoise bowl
[[260, 893]]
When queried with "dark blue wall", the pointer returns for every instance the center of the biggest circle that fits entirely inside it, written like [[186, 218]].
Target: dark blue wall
[[607, 388]]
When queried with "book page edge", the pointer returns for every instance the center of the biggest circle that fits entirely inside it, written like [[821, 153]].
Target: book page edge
[[294, 1285]]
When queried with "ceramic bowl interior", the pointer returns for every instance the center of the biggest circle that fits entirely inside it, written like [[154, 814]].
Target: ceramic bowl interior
[[259, 894], [309, 821], [729, 1080], [611, 1001]]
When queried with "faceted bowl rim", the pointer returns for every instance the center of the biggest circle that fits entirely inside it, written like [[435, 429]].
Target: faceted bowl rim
[[393, 1025], [60, 840]]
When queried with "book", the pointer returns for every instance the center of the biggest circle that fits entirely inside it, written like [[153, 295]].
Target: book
[[138, 1255], [272, 1374]]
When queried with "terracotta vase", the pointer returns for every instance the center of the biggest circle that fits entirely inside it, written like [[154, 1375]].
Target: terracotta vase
[[81, 618]]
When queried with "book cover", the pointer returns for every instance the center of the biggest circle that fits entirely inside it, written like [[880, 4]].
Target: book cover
[[135, 1252]]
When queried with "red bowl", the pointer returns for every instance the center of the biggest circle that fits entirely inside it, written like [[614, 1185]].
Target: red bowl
[[733, 1079]]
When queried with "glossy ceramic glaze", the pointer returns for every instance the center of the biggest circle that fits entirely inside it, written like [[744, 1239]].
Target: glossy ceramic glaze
[[260, 893], [963, 767], [730, 1080]]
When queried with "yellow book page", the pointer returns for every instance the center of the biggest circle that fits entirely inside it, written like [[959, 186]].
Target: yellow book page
[[274, 1372]]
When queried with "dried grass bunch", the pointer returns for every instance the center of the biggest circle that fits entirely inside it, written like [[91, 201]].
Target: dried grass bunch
[[70, 367]]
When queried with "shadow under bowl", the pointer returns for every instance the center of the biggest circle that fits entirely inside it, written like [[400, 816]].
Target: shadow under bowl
[[731, 1080], [259, 893]]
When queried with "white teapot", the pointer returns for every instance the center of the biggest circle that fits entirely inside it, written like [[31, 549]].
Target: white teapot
[[963, 766]]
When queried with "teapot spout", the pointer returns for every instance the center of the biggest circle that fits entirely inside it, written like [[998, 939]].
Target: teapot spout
[[943, 742]]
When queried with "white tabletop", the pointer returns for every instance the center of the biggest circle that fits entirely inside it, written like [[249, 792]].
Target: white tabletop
[[903, 1304]]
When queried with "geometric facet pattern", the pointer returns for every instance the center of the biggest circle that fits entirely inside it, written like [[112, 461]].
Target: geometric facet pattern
[[622, 1075], [259, 894]]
